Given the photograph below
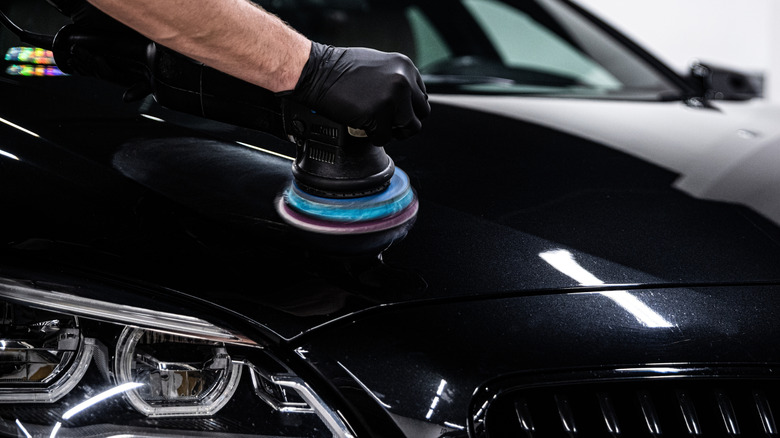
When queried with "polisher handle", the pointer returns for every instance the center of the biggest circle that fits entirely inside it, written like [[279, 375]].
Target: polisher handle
[[176, 81], [332, 159]]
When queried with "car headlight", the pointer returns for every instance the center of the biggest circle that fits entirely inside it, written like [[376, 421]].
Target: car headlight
[[75, 366], [179, 376]]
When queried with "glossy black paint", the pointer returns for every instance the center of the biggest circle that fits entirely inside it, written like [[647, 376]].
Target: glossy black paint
[[179, 210], [164, 199], [516, 188], [470, 296], [471, 343]]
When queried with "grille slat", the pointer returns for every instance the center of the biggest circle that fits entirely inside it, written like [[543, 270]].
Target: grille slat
[[728, 414], [524, 418], [609, 414], [566, 415], [688, 411], [649, 414], [765, 414], [698, 407]]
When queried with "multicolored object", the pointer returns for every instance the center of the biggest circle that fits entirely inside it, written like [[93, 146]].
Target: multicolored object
[[33, 61], [346, 193], [30, 55], [33, 70], [391, 208]]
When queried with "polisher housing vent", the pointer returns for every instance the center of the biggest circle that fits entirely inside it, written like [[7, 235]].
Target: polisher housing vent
[[322, 155]]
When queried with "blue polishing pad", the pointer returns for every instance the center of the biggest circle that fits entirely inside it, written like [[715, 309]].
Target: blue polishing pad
[[398, 196]]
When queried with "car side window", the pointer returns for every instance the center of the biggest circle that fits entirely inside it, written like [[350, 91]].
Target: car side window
[[524, 43], [429, 44]]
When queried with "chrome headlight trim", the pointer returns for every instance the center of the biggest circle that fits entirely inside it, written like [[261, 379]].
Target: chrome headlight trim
[[211, 403], [26, 292], [310, 402], [63, 384], [182, 325], [333, 421]]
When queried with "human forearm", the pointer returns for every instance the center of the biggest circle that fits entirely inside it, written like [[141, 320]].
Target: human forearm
[[233, 36], [381, 93]]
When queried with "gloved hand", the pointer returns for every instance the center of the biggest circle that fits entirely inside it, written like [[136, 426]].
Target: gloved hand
[[381, 93]]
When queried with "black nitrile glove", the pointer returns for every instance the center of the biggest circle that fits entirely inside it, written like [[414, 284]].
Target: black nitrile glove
[[381, 93]]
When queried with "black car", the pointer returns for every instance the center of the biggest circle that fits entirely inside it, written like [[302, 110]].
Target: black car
[[596, 253]]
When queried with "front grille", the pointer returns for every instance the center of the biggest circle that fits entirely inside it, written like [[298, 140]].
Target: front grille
[[668, 404]]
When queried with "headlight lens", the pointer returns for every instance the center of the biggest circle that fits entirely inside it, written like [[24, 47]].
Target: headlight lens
[[71, 366], [42, 355], [180, 376]]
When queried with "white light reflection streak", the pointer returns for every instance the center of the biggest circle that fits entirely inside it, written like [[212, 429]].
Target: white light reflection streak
[[564, 262], [55, 429], [14, 125], [156, 119], [436, 399], [659, 370], [265, 150], [362, 385], [23, 429], [453, 425], [99, 398], [9, 155]]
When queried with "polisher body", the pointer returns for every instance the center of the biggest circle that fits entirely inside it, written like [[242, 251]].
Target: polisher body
[[342, 184]]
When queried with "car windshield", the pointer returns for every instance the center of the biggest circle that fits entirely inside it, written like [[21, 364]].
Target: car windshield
[[487, 46]]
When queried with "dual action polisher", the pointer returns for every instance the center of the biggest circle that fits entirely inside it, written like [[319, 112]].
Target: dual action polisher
[[344, 189], [342, 184]]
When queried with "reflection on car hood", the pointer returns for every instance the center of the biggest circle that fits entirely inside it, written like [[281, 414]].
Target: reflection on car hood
[[546, 195], [715, 151], [595, 184]]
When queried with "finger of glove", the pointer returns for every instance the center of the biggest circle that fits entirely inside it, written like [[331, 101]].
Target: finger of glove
[[400, 123], [407, 119], [402, 132], [381, 135], [380, 127], [416, 107], [420, 104], [420, 99]]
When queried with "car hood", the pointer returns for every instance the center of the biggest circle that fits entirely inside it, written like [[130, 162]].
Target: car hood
[[723, 151], [517, 197]]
